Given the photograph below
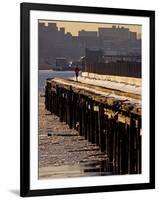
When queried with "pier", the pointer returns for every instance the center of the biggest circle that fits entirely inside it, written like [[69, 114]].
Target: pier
[[107, 118]]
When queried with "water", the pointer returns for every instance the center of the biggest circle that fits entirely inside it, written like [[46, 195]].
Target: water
[[44, 74], [90, 168]]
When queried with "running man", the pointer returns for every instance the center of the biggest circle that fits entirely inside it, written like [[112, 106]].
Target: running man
[[76, 73]]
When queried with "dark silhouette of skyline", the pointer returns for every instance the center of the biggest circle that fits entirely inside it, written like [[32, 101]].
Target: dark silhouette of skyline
[[56, 42], [74, 27]]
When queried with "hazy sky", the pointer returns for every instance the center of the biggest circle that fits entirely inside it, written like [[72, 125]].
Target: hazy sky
[[74, 27]]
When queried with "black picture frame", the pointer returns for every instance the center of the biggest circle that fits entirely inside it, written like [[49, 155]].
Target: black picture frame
[[25, 9]]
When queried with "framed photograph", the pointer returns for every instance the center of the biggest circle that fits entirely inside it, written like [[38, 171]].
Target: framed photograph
[[87, 99]]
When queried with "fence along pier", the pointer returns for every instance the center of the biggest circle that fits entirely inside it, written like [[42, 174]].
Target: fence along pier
[[107, 118]]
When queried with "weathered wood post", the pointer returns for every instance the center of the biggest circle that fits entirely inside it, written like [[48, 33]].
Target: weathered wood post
[[96, 124], [88, 120], [83, 125], [70, 102], [138, 146], [92, 123], [46, 96], [100, 121], [102, 128]]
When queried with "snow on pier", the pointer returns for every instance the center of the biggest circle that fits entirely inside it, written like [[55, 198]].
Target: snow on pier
[[126, 84]]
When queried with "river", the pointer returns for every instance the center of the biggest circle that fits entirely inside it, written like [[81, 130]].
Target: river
[[44, 74]]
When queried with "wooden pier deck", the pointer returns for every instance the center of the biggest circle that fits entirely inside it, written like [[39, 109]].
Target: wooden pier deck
[[108, 118]]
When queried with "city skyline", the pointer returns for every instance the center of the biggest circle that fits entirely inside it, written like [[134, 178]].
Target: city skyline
[[75, 27]]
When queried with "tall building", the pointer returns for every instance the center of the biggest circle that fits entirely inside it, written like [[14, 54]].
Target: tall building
[[114, 33], [133, 36], [84, 33], [54, 42], [62, 30]]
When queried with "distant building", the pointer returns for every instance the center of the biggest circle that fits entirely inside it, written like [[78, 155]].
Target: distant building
[[61, 62], [84, 33], [133, 36], [96, 62], [62, 30], [93, 56], [114, 33]]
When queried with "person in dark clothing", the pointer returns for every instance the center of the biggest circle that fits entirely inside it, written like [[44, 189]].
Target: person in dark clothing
[[76, 73]]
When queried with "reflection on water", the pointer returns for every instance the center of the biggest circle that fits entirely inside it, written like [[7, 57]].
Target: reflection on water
[[88, 168]]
